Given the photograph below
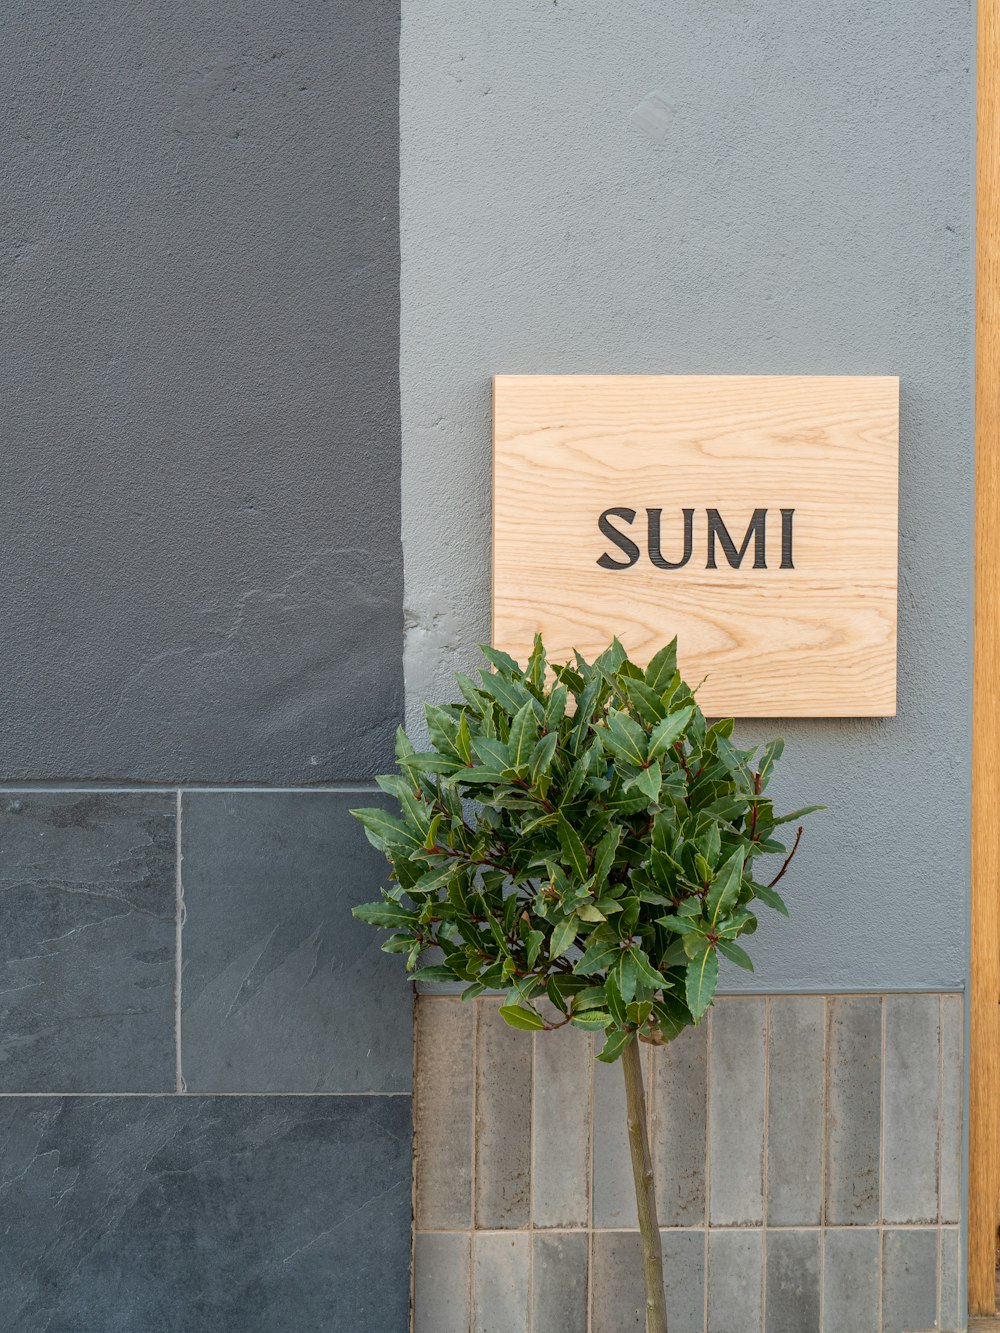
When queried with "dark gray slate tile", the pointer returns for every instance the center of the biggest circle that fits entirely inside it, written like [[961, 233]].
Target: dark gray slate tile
[[792, 1281], [503, 1121], [205, 1215], [87, 955], [559, 1281], [282, 989], [795, 1110], [851, 1280], [854, 1100], [909, 1280], [200, 365]]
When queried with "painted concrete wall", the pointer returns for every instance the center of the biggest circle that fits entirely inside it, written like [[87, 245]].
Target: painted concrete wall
[[724, 187]]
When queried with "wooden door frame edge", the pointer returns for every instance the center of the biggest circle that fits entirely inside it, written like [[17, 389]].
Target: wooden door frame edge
[[984, 998]]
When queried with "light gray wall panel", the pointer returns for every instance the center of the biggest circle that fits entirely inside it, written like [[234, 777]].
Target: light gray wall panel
[[803, 206]]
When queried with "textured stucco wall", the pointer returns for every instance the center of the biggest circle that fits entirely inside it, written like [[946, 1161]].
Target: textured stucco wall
[[726, 187], [199, 420]]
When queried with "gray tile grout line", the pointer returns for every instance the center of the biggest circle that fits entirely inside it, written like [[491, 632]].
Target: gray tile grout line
[[851, 1227], [207, 1092], [881, 1173], [180, 914], [765, 1153], [937, 1164]]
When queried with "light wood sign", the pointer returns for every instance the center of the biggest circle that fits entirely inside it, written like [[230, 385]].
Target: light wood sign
[[754, 517]]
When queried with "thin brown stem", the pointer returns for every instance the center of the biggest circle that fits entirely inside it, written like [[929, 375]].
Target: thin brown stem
[[645, 1197], [788, 858]]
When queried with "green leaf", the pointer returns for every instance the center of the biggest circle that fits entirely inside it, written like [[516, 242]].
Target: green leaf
[[384, 830], [665, 733], [503, 662], [438, 972], [662, 666], [573, 849], [681, 925], [616, 1004], [772, 753], [770, 898], [562, 938], [589, 912], [624, 738], [387, 915], [597, 958], [491, 752], [604, 855], [735, 954], [798, 814], [542, 756], [518, 1016], [615, 1044], [592, 1020], [533, 943], [701, 980], [523, 733], [647, 780], [645, 701], [725, 888], [645, 972], [555, 709]]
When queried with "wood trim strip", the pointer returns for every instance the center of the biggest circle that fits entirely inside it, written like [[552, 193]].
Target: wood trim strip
[[984, 1089]]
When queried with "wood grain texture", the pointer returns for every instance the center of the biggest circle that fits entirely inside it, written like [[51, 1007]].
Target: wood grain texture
[[984, 1088], [818, 640]]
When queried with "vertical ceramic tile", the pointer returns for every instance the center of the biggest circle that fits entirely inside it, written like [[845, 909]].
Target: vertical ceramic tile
[[561, 1109], [910, 1115], [852, 1257], [734, 1281], [951, 1280], [614, 1188], [736, 1112], [795, 1110], [952, 1089], [909, 1280], [503, 1121], [442, 1112], [854, 1093], [501, 1265], [679, 1095], [792, 1281], [441, 1282], [559, 1281]]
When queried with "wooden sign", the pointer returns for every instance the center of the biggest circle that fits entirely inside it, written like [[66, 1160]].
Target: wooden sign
[[754, 517]]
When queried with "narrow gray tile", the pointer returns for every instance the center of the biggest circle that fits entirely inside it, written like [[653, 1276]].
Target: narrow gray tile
[[503, 1121], [441, 1282], [500, 1281], [559, 1282], [442, 1112], [734, 1281], [205, 1215], [684, 1275], [952, 1087], [87, 959], [854, 1092], [909, 1280], [619, 1294], [851, 1280], [563, 1068], [795, 1110], [736, 1112], [951, 1280], [282, 990], [614, 1188], [679, 1125], [792, 1281], [910, 1113]]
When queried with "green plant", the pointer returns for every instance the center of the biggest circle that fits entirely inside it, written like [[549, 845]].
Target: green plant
[[579, 834]]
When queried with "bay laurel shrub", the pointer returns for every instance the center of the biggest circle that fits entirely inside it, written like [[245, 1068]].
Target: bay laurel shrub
[[580, 834]]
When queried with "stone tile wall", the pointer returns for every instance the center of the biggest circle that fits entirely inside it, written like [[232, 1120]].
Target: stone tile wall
[[163, 951], [807, 1152]]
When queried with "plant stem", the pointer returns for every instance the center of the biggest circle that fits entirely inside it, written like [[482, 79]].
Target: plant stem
[[645, 1197]]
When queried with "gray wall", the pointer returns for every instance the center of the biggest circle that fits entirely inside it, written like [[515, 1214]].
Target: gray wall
[[803, 206], [199, 417]]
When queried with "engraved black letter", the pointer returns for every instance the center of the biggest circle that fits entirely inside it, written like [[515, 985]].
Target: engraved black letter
[[786, 538], [624, 543], [655, 554], [716, 528]]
